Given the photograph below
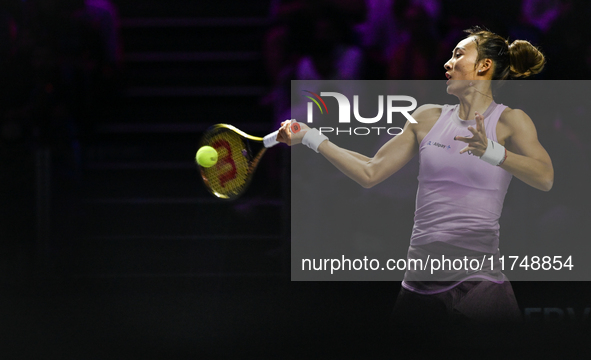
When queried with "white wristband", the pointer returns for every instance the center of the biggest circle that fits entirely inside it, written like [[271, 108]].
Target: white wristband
[[495, 153], [313, 138]]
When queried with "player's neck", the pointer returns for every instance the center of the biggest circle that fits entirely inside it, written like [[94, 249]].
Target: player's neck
[[472, 103]]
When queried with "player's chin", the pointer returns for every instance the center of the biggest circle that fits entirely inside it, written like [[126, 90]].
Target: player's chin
[[452, 88], [449, 90], [455, 87]]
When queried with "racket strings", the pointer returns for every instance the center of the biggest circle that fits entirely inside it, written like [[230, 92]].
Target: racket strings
[[230, 175]]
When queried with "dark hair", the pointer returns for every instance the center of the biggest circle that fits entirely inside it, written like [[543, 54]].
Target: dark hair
[[520, 59]]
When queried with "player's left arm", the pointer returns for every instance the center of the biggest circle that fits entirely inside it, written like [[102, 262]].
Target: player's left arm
[[526, 159]]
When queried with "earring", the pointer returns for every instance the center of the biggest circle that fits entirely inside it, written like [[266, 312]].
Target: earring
[[471, 83], [479, 71]]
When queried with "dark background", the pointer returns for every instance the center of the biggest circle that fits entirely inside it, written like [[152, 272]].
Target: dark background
[[110, 245]]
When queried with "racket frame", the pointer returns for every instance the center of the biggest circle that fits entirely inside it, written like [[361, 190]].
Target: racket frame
[[252, 163]]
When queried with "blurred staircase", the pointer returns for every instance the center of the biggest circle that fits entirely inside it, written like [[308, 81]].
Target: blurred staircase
[[188, 64]]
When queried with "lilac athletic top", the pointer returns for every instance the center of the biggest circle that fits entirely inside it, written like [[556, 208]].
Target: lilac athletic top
[[460, 197]]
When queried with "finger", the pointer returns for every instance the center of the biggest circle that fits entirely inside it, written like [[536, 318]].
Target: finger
[[279, 136], [465, 139], [282, 134], [285, 137], [466, 149], [474, 131], [479, 122]]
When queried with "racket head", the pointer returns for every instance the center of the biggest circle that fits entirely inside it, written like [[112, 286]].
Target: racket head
[[231, 175]]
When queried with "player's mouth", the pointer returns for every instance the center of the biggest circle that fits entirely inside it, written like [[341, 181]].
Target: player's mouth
[[448, 78]]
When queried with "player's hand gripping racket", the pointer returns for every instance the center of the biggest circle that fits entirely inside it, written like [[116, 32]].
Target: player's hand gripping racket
[[237, 158]]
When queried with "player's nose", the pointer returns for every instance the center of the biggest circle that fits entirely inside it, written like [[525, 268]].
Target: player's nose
[[447, 65]]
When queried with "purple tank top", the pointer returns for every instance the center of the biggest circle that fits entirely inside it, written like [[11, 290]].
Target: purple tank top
[[458, 206], [460, 197]]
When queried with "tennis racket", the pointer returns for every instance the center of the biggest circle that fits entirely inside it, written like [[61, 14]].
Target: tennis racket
[[237, 160]]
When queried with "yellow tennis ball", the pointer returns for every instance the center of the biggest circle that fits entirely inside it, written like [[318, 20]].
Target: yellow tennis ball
[[206, 156]]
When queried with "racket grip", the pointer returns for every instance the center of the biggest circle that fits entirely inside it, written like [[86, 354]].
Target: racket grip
[[270, 140]]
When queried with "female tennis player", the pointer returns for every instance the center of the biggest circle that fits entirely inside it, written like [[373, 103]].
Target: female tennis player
[[462, 185]]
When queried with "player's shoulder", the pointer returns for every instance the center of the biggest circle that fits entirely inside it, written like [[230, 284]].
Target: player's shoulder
[[425, 117], [428, 109], [427, 112], [513, 114], [516, 121], [515, 118]]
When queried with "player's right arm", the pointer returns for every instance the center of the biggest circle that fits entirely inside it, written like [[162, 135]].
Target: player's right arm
[[390, 158], [366, 171]]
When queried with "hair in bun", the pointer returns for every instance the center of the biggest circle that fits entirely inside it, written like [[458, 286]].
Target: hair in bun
[[517, 60], [526, 59]]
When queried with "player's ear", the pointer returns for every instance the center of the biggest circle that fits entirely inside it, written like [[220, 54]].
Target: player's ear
[[485, 65]]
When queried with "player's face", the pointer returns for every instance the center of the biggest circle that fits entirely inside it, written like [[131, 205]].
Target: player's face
[[461, 65]]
